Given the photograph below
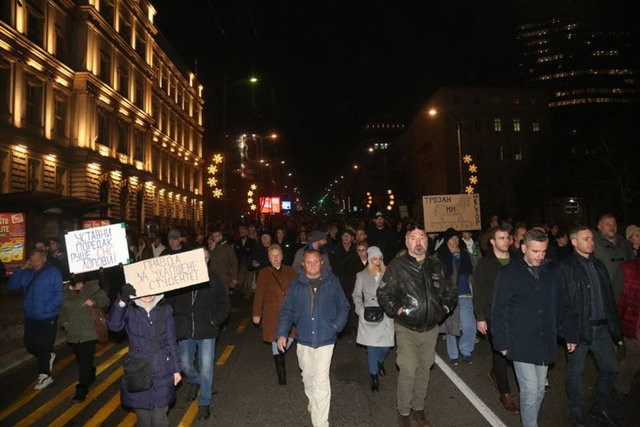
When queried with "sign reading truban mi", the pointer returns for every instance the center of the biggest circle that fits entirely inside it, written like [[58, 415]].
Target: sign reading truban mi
[[459, 211], [165, 273], [97, 247]]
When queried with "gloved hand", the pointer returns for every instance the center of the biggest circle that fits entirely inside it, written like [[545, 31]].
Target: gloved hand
[[127, 292]]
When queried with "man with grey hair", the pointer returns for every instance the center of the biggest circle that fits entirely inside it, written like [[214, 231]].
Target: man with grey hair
[[612, 249], [524, 320]]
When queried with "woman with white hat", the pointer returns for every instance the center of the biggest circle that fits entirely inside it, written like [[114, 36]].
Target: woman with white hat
[[375, 329]]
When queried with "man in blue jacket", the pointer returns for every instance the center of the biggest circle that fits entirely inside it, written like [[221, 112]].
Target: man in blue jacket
[[524, 320], [42, 285], [316, 304]]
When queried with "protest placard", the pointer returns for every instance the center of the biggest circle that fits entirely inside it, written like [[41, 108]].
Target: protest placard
[[459, 211], [97, 247], [166, 273]]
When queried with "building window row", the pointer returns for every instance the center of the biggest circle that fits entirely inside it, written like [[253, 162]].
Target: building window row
[[516, 125], [121, 138], [125, 27], [502, 153]]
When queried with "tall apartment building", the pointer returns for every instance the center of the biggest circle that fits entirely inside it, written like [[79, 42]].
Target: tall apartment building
[[583, 59], [504, 130], [96, 119]]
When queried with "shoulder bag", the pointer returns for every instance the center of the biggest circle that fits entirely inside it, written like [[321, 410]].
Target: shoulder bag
[[138, 371], [373, 314]]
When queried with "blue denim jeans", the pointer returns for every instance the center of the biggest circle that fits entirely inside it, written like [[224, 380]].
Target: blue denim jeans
[[531, 379], [206, 350], [468, 335], [376, 355], [604, 354]]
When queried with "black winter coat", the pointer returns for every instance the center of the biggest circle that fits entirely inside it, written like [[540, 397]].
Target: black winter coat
[[423, 290], [199, 310], [484, 279], [523, 313], [574, 314]]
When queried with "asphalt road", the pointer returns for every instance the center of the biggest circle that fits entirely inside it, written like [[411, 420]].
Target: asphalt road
[[246, 392]]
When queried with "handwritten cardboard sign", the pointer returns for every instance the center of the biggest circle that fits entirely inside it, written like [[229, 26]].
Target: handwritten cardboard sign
[[166, 273], [459, 211], [97, 247]]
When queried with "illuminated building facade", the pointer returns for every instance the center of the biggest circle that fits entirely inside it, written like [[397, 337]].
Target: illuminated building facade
[[580, 62], [95, 117]]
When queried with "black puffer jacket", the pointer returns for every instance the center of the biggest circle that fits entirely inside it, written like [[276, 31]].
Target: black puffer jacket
[[199, 310], [422, 290]]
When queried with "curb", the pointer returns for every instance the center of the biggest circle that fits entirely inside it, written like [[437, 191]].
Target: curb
[[18, 357]]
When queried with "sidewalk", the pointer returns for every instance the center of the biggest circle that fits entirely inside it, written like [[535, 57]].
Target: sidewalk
[[12, 352]]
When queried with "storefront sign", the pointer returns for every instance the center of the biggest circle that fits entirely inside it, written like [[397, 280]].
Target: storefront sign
[[97, 247], [459, 211], [92, 223], [12, 236], [165, 273]]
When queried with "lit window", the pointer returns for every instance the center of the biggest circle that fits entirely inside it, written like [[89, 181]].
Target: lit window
[[518, 155], [497, 124], [516, 125], [535, 126]]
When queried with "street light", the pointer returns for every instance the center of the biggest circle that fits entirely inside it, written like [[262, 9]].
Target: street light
[[434, 112], [225, 86]]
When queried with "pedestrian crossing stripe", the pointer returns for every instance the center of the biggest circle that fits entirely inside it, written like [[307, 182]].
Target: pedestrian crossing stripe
[[129, 421], [95, 392], [242, 326], [225, 355], [104, 412], [66, 393], [57, 367], [190, 415]]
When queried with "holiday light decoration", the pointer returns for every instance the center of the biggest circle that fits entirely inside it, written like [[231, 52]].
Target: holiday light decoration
[[473, 170], [212, 180]]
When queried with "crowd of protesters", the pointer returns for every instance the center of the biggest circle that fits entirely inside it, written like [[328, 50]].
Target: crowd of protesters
[[313, 279]]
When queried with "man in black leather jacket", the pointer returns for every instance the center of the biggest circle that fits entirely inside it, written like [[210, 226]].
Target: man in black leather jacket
[[416, 293]]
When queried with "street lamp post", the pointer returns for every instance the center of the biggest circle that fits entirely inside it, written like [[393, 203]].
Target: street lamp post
[[225, 148], [433, 112]]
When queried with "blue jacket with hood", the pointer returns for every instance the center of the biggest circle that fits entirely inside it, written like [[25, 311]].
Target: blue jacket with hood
[[43, 291]]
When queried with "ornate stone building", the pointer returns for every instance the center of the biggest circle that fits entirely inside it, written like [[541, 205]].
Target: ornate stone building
[[96, 118]]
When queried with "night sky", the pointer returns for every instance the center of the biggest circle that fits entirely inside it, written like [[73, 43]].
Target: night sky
[[327, 68]]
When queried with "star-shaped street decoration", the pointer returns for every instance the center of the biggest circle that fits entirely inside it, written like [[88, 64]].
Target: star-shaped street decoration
[[467, 159], [468, 189], [253, 207], [213, 170], [473, 168], [250, 200], [250, 193], [254, 187], [217, 193], [217, 159], [473, 179], [212, 182]]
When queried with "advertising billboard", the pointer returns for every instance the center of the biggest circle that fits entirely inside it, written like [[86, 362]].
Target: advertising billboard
[[13, 230], [270, 205]]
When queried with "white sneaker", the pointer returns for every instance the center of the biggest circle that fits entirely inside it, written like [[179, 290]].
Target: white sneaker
[[51, 359], [43, 381]]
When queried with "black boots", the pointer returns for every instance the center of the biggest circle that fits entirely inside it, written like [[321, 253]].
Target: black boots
[[280, 369], [374, 382]]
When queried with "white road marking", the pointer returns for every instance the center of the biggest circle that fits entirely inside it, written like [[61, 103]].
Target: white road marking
[[484, 410]]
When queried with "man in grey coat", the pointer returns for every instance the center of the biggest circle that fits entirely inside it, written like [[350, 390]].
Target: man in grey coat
[[612, 249]]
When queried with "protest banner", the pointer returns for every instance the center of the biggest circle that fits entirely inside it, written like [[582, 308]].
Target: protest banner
[[12, 235], [97, 247], [459, 211], [166, 273]]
